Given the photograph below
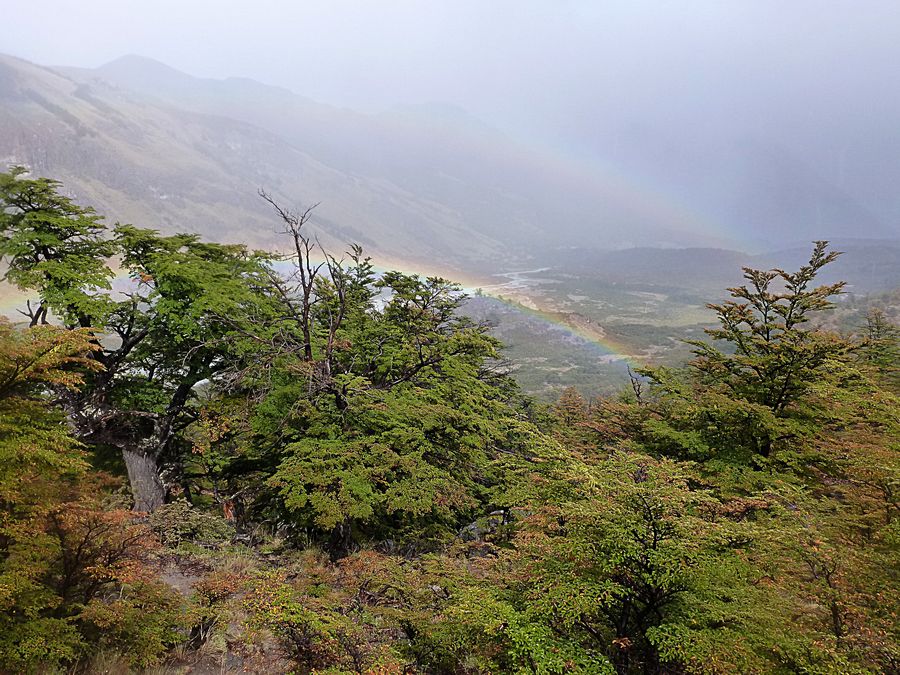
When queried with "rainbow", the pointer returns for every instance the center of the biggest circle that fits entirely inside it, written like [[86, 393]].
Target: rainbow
[[653, 203], [573, 324], [608, 349]]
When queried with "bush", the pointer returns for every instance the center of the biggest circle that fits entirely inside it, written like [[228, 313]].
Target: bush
[[141, 623], [179, 522], [312, 630]]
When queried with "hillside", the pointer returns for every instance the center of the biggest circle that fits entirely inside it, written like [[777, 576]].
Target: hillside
[[260, 474], [180, 170], [502, 188], [426, 185]]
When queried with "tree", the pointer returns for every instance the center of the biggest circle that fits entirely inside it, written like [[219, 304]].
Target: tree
[[35, 446], [298, 289], [395, 424], [738, 402], [881, 346], [171, 331], [175, 331], [54, 246], [776, 357]]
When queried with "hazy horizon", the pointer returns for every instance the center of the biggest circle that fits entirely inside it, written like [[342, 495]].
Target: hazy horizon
[[735, 113], [566, 60]]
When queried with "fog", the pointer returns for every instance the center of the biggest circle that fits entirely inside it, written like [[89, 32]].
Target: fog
[[790, 108]]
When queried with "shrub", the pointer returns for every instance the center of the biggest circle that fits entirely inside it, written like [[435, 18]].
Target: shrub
[[141, 622], [180, 522]]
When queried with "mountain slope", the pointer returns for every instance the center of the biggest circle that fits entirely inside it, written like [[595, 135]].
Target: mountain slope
[[424, 185], [158, 166], [438, 152], [428, 182]]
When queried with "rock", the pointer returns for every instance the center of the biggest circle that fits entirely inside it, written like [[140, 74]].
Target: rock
[[481, 528]]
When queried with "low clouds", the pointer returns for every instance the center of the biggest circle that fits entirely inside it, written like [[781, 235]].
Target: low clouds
[[706, 100]]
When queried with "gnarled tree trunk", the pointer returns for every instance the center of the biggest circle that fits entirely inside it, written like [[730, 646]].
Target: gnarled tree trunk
[[143, 475], [142, 438]]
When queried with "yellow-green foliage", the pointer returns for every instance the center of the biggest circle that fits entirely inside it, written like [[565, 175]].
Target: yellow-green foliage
[[142, 622], [70, 562], [738, 515]]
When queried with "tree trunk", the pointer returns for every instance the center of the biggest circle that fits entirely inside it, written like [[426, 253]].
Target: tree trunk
[[146, 485], [837, 623]]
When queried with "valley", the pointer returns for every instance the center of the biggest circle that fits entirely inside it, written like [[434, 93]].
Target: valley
[[449, 338], [146, 144]]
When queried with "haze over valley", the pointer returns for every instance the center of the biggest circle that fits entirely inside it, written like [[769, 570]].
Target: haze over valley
[[430, 187]]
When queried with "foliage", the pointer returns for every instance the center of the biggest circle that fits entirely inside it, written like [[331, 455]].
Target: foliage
[[314, 630], [64, 548], [881, 348], [637, 570], [396, 503], [53, 245], [142, 622], [178, 522], [776, 358], [406, 462], [165, 337]]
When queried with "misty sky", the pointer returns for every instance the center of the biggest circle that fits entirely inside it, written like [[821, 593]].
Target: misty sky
[[668, 87], [555, 67]]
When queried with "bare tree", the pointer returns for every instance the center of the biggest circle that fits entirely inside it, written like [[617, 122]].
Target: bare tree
[[303, 277]]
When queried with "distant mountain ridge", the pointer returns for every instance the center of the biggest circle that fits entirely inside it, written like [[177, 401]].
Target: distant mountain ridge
[[426, 184], [867, 265]]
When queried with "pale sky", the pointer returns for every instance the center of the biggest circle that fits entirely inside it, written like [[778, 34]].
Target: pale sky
[[687, 82], [537, 63]]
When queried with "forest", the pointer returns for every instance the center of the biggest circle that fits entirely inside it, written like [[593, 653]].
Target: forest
[[216, 459]]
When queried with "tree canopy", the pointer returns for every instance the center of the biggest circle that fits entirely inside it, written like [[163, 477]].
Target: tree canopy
[[330, 471]]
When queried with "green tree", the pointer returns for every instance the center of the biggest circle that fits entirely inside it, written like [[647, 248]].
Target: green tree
[[776, 355], [395, 426], [757, 390], [52, 245], [179, 328], [881, 347], [171, 331]]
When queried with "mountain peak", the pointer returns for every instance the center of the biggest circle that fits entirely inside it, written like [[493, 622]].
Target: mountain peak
[[134, 65], [137, 60]]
